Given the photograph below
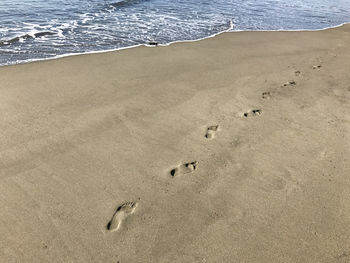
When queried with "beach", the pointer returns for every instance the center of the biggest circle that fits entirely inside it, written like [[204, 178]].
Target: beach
[[229, 149]]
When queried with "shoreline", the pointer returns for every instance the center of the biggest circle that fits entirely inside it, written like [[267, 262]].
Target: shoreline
[[170, 43]]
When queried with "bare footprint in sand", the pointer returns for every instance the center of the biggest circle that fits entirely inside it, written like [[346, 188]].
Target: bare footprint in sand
[[290, 83], [297, 73], [252, 113], [211, 130], [184, 168], [119, 216], [266, 95]]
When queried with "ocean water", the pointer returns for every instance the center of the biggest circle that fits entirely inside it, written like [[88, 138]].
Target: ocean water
[[39, 29]]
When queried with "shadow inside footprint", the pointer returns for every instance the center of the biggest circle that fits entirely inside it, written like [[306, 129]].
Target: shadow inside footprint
[[121, 213], [252, 113], [184, 168], [211, 131]]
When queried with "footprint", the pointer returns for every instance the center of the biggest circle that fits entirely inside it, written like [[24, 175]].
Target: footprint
[[184, 168], [252, 113], [297, 73], [211, 130], [290, 83], [119, 216], [266, 95]]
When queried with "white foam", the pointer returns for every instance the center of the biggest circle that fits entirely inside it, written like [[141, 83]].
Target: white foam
[[60, 33], [230, 30]]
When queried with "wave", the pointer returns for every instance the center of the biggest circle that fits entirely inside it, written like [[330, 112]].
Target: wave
[[25, 37], [126, 3], [168, 44]]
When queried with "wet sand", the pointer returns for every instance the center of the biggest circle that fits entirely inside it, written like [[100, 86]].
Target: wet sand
[[229, 149]]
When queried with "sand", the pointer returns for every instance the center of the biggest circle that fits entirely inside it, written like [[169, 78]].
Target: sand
[[229, 149]]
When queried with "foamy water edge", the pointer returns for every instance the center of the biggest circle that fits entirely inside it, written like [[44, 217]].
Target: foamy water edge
[[229, 30]]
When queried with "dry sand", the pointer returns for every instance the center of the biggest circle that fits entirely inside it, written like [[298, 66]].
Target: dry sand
[[230, 149]]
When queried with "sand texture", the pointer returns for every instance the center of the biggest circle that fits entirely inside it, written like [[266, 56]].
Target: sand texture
[[229, 149]]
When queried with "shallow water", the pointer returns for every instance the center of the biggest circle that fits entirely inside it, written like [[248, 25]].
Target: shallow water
[[35, 29]]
